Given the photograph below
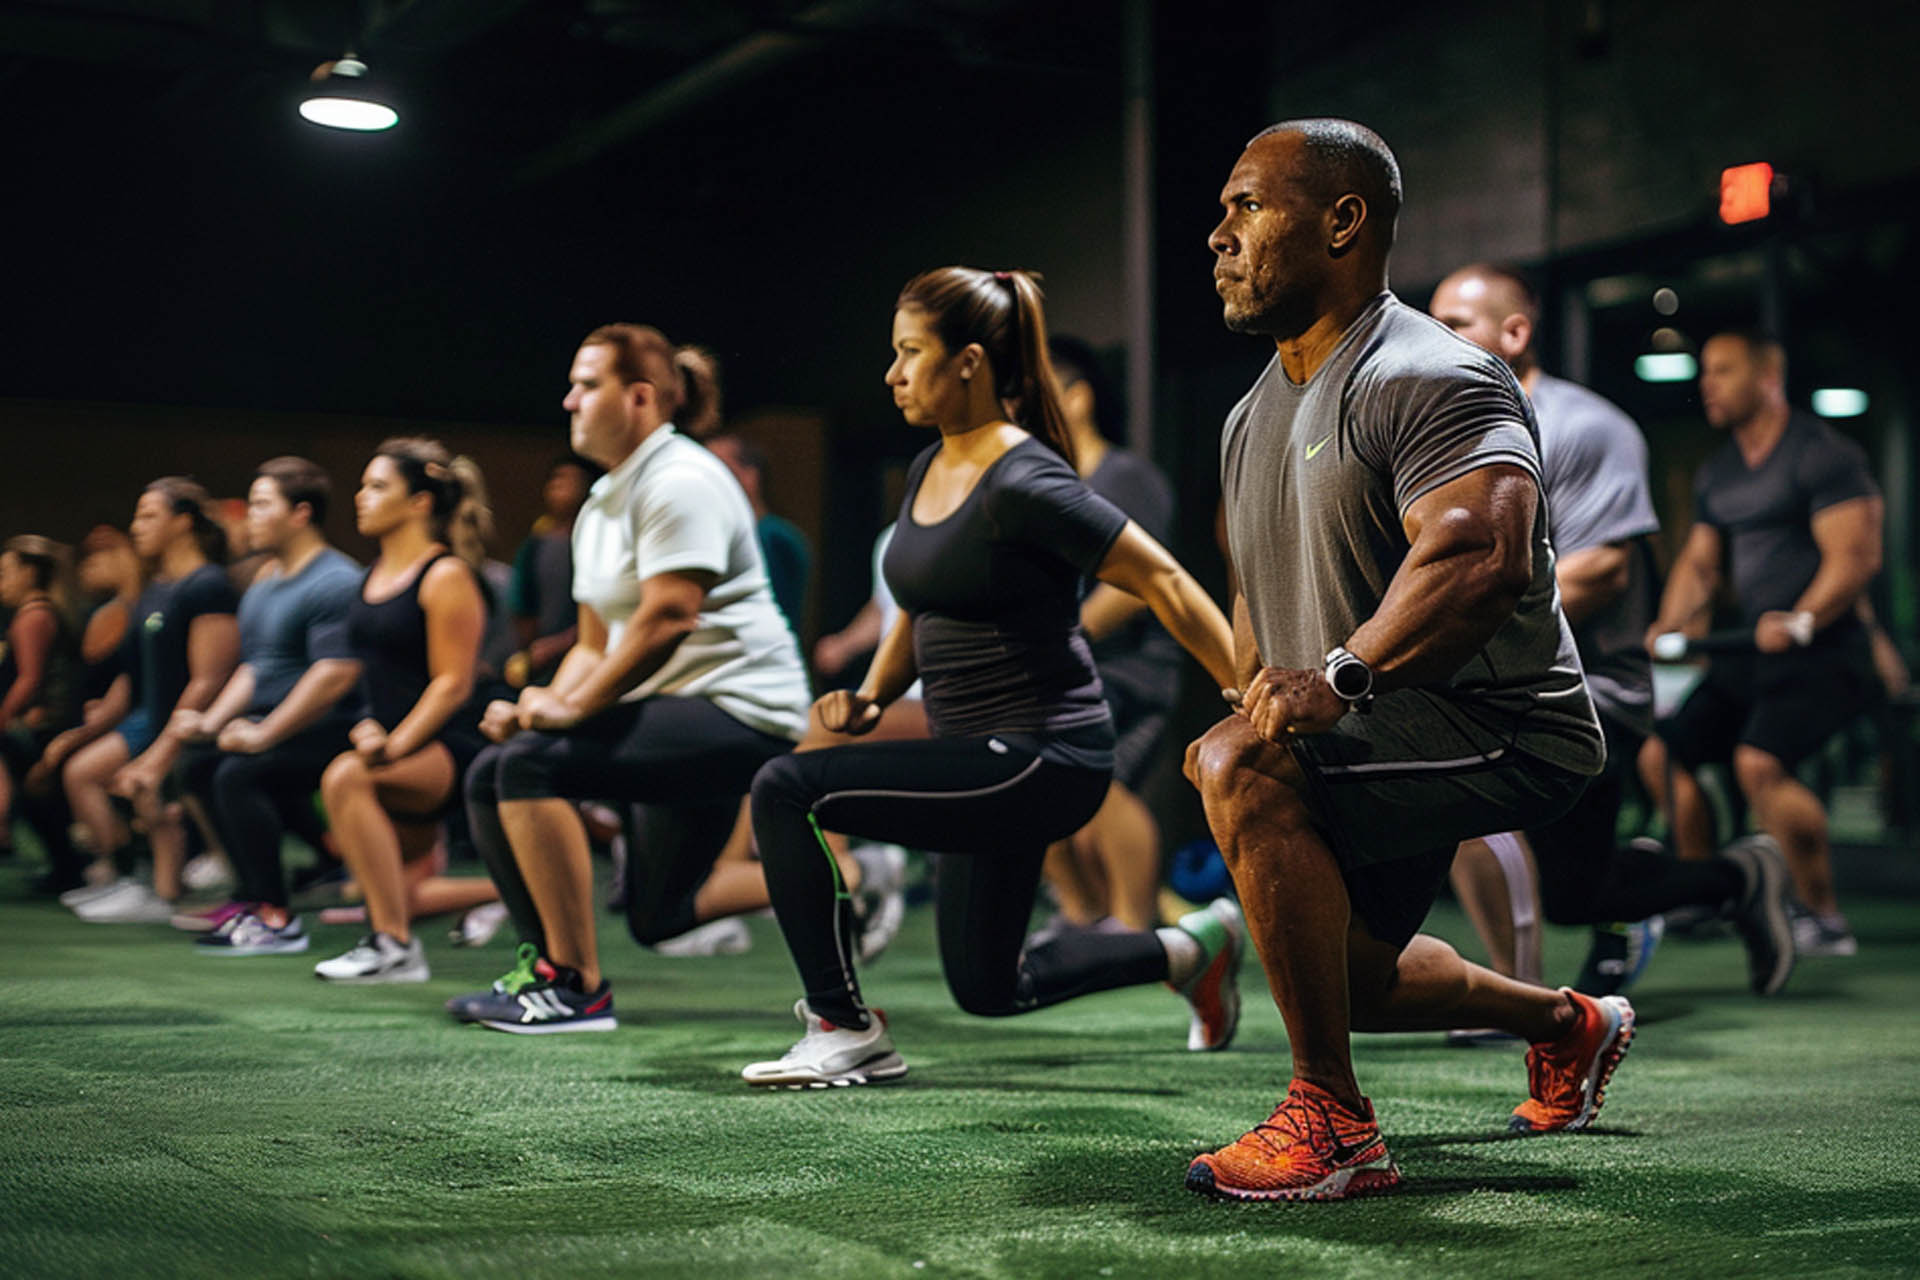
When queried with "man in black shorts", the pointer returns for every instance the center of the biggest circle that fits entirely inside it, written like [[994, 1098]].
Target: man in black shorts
[[1594, 462], [1407, 678], [1791, 506]]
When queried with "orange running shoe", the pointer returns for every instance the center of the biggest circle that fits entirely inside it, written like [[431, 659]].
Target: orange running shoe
[[1310, 1148], [1567, 1078]]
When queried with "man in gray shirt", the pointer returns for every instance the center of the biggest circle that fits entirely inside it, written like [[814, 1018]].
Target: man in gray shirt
[[1594, 462], [1408, 680]]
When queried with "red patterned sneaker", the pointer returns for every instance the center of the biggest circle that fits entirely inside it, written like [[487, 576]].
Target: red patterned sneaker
[[1567, 1078], [1311, 1148]]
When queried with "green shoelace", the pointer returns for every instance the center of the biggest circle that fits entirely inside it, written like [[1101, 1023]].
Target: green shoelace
[[522, 972]]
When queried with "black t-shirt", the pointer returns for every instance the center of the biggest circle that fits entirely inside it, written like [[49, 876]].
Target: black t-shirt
[[1765, 513], [154, 653], [1141, 657], [994, 591]]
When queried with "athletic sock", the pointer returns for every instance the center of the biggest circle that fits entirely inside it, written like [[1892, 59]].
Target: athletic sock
[[1185, 955]]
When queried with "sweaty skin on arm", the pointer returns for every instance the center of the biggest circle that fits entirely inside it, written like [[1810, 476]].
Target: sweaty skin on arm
[[1470, 561], [1144, 569], [1691, 583], [1591, 578]]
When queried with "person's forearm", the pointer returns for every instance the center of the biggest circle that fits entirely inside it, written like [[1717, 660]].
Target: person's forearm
[[579, 663], [233, 700], [1836, 588], [1194, 620], [1107, 609], [1591, 579], [318, 691], [644, 648], [444, 695], [1439, 610], [1689, 591], [546, 649], [893, 668], [1246, 652]]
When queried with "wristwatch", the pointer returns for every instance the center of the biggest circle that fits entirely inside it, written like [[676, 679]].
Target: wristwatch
[[1351, 678]]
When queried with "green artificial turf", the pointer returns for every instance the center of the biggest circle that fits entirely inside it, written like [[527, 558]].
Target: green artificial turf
[[166, 1113]]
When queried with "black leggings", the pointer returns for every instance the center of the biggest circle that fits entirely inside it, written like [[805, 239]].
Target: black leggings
[[993, 805], [683, 760], [1586, 879], [254, 800]]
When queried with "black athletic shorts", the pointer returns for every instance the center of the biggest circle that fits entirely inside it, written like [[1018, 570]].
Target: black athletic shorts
[[1394, 823], [1139, 731], [1785, 704]]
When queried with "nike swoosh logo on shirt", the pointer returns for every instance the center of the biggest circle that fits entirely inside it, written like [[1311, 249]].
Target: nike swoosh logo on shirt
[[1315, 448]]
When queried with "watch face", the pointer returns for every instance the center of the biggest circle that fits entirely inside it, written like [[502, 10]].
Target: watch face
[[1351, 680]]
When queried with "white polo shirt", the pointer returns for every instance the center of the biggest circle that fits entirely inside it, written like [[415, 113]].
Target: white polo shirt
[[671, 506]]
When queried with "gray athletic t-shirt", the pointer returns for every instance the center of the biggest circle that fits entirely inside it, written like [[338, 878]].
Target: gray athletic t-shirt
[[1765, 513], [1595, 462], [288, 624], [1318, 479]]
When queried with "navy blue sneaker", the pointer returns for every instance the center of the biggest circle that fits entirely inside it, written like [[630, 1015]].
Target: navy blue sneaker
[[552, 1002]]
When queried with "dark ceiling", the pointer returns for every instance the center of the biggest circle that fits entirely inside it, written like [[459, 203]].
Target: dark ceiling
[[715, 166]]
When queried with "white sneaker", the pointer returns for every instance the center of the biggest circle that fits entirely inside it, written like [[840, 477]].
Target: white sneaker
[[206, 872], [883, 884], [727, 937], [377, 958], [72, 898], [830, 1056], [129, 902], [478, 926]]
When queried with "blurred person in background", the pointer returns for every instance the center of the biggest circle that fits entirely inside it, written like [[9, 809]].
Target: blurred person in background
[[1789, 506], [260, 747], [40, 667], [545, 619], [1593, 462], [415, 627], [788, 555], [1108, 872], [181, 645]]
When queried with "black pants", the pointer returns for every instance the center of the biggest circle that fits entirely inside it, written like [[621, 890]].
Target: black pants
[[254, 800], [990, 807], [684, 760], [1586, 879]]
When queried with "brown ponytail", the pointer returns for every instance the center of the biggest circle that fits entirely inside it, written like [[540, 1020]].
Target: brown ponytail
[[460, 515], [185, 498], [1004, 312], [699, 412], [51, 565], [685, 380]]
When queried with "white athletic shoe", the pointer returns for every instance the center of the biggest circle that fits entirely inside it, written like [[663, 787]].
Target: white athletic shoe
[[377, 958], [477, 927], [883, 884], [72, 898], [128, 902], [206, 872], [830, 1057], [727, 937]]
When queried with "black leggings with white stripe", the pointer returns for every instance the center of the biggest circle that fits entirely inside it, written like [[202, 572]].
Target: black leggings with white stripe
[[990, 807]]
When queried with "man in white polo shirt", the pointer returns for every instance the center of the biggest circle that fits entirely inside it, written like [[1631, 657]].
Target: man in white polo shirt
[[683, 681]]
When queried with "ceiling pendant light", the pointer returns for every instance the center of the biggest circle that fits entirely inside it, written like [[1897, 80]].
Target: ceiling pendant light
[[341, 98]]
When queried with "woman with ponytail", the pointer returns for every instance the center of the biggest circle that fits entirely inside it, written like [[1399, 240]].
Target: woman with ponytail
[[182, 644], [994, 537], [40, 670], [415, 626]]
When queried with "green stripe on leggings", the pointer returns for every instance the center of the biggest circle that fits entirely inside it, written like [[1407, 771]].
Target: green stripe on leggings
[[839, 886]]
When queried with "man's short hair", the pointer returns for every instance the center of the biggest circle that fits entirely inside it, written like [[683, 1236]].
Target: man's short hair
[[1075, 360], [299, 481], [1525, 299], [1762, 346], [1350, 157]]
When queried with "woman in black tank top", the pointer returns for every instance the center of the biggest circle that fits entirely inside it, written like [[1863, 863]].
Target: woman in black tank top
[[39, 662], [415, 625]]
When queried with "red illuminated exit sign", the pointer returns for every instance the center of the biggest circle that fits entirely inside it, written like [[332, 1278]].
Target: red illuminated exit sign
[[1746, 193]]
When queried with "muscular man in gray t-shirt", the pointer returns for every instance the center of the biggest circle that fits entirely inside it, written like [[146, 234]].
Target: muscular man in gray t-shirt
[[1594, 462], [1408, 679]]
